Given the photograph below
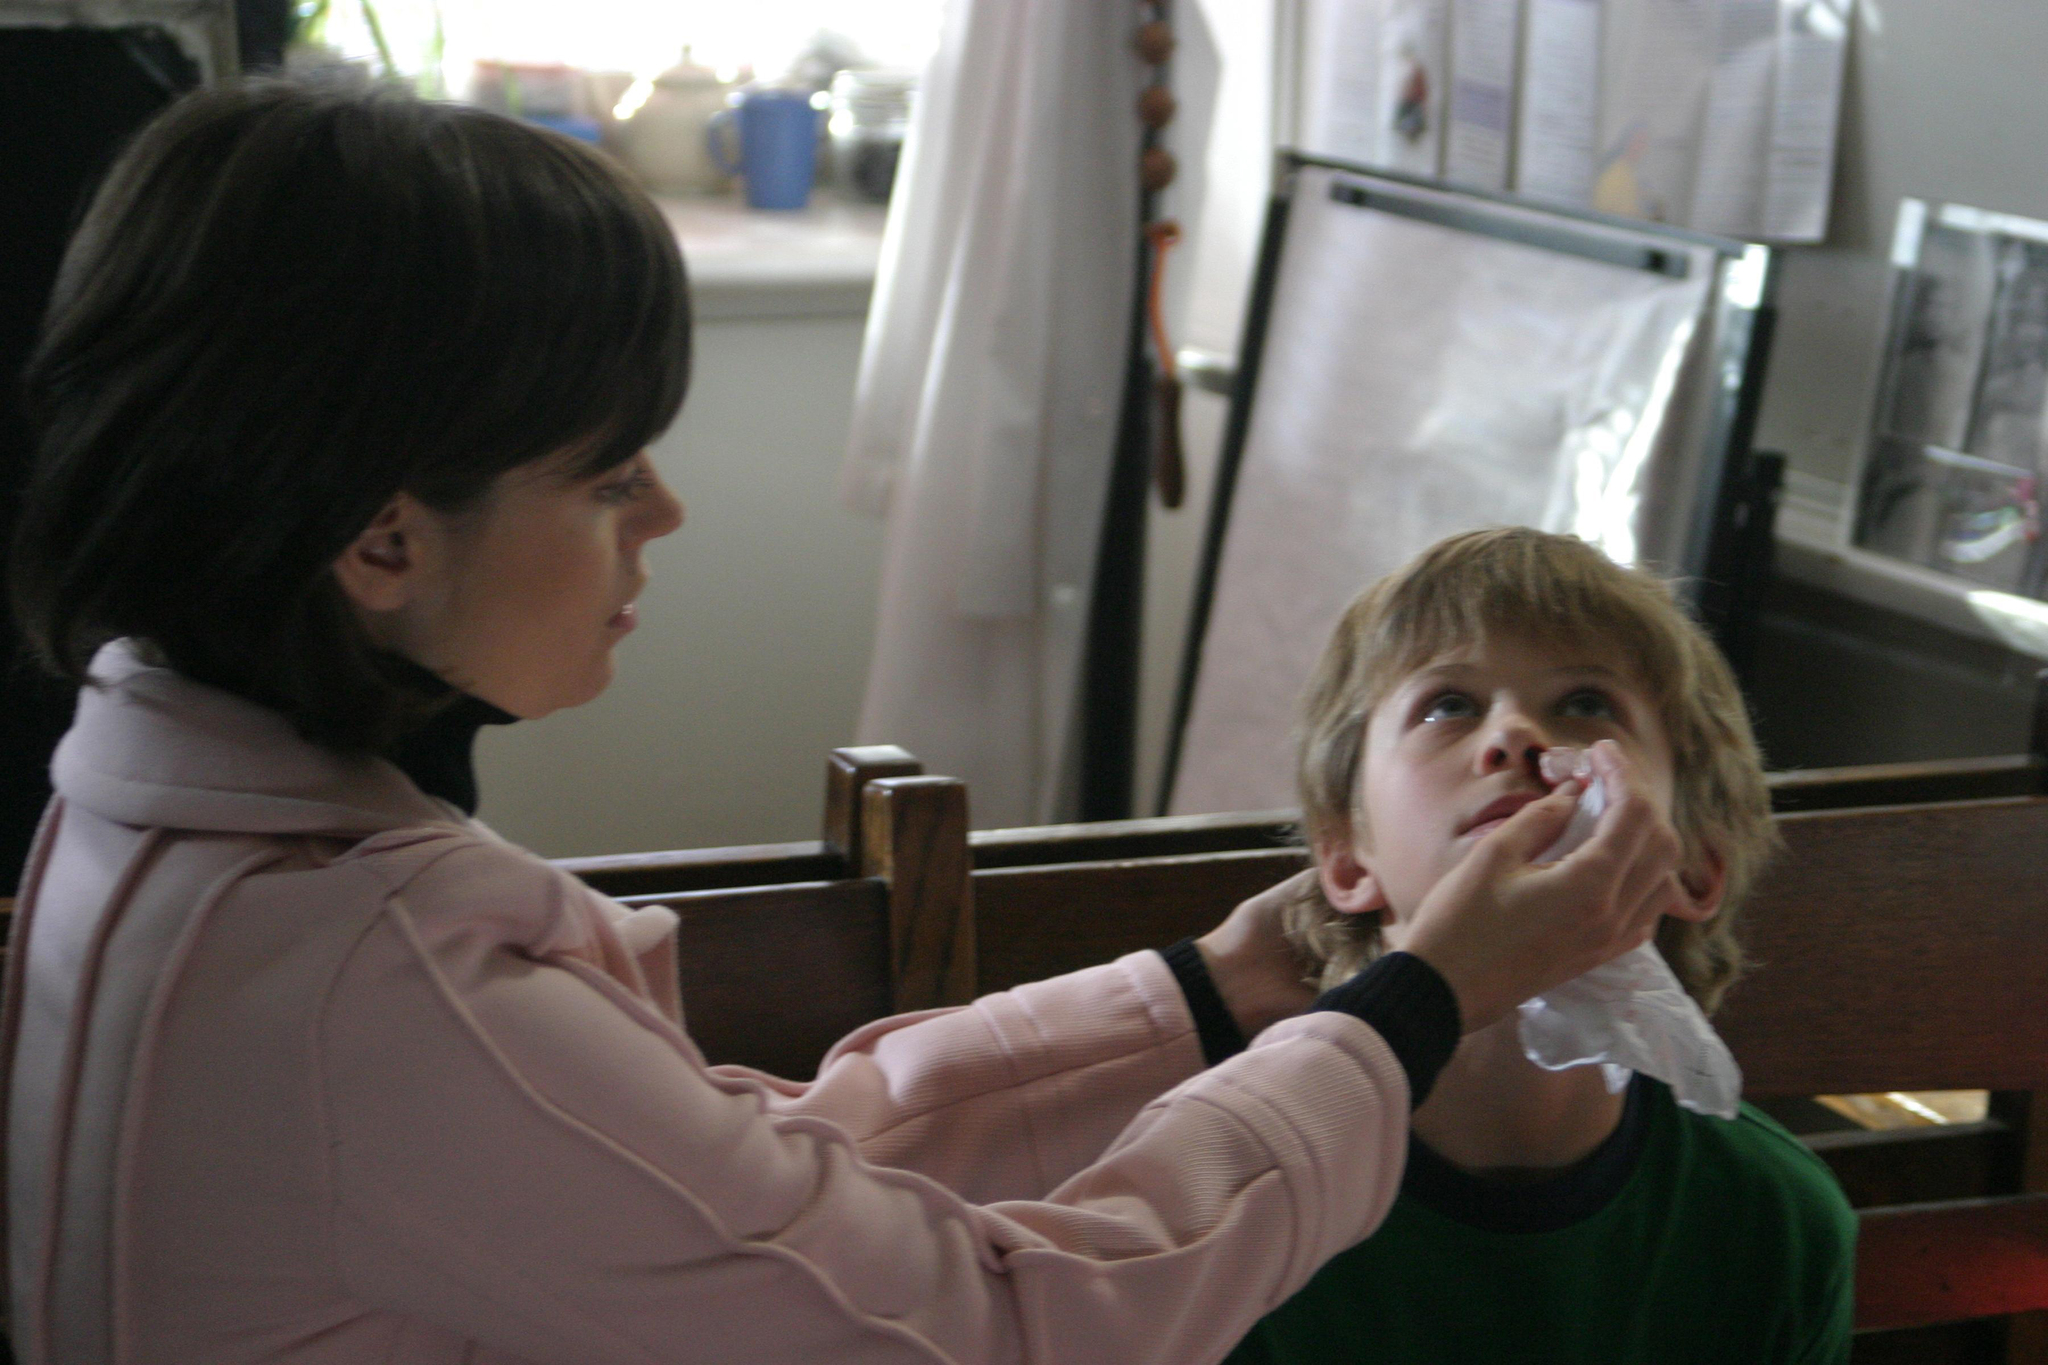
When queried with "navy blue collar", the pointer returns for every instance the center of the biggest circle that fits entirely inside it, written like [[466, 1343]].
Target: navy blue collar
[[1549, 1205], [440, 755]]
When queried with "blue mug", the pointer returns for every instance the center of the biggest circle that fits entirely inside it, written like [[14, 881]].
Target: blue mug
[[778, 134]]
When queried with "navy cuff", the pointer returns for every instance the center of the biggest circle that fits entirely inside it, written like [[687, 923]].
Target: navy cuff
[[1411, 1006], [1218, 1031]]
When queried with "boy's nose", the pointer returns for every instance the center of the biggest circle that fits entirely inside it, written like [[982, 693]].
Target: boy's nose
[[1516, 743]]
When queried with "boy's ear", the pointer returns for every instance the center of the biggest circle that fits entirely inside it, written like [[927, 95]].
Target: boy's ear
[[1701, 886], [380, 568], [1348, 883]]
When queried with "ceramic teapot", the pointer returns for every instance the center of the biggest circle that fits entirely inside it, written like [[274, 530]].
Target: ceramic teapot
[[663, 139]]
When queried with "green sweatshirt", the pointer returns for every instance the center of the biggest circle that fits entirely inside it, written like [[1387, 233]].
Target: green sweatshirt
[[1683, 1240]]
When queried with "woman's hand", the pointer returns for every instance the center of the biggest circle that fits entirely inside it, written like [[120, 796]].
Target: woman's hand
[[1500, 930], [1260, 976]]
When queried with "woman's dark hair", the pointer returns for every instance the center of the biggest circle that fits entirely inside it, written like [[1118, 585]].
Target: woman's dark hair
[[286, 305]]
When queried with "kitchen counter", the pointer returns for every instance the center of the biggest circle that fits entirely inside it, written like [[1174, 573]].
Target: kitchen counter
[[818, 261]]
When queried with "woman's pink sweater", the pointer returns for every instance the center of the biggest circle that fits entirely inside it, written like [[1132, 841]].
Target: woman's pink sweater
[[305, 1067]]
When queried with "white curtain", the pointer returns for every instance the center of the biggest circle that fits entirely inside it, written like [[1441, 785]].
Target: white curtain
[[987, 405]]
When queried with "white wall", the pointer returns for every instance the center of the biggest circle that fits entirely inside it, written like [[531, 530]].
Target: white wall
[[754, 636], [1943, 101]]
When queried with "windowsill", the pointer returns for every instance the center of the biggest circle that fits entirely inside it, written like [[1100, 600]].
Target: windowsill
[[817, 261], [1813, 549]]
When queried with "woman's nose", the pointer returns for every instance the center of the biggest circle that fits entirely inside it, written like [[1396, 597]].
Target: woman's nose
[[664, 511]]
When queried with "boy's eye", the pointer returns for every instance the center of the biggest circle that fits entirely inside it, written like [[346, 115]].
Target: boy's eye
[[1450, 706], [1588, 703]]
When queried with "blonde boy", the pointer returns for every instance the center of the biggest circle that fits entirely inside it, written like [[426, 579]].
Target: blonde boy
[[1542, 1217]]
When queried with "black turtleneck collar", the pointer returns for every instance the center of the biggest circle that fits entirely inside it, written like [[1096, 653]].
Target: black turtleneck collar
[[439, 756]]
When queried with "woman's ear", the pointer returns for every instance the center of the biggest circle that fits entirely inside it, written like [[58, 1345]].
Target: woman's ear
[[1348, 882], [381, 568], [1700, 888]]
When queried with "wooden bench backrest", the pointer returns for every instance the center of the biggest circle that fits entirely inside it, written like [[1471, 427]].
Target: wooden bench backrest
[[1907, 949], [1892, 944], [835, 856], [1903, 948], [838, 854], [772, 976]]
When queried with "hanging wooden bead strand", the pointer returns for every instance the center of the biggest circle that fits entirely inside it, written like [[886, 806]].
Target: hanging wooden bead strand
[[1156, 169]]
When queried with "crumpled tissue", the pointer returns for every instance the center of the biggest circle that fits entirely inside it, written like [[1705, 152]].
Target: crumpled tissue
[[1629, 1014]]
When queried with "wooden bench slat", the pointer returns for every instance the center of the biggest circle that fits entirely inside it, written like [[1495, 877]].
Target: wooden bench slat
[[773, 976], [623, 875], [1035, 922], [1115, 840], [1920, 1265], [848, 770], [1919, 969], [1905, 784], [1878, 1167]]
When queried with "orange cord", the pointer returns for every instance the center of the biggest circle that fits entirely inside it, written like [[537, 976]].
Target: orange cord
[[1162, 235]]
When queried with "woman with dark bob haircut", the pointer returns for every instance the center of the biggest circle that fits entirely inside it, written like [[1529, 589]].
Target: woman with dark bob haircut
[[343, 405]]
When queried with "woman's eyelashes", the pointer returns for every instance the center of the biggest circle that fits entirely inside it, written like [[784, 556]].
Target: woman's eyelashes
[[617, 492]]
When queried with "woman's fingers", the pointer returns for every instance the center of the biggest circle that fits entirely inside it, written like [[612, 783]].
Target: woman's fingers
[[1627, 872], [1532, 829], [1650, 881], [1259, 973], [1501, 930], [1632, 839]]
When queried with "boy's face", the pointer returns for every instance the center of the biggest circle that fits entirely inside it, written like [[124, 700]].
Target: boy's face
[[1451, 752]]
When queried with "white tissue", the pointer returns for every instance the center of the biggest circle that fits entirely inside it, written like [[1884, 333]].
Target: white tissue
[[1629, 1014]]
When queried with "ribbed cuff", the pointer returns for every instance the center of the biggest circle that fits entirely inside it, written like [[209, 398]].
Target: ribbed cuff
[[1218, 1031], [1412, 1007]]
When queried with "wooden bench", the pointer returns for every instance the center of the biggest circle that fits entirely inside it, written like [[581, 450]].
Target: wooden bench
[[1907, 949], [837, 853], [1899, 948]]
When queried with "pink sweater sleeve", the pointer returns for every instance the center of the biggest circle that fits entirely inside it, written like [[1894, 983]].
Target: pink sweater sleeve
[[1007, 1097], [527, 1153]]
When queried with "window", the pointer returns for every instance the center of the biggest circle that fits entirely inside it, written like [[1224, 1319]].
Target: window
[[439, 43]]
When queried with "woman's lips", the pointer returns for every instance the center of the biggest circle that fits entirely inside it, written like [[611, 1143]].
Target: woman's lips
[[625, 618]]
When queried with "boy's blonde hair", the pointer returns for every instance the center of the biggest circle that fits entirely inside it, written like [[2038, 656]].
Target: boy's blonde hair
[[1529, 583]]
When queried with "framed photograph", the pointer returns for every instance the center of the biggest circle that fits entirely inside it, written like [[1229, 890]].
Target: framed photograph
[[1953, 473]]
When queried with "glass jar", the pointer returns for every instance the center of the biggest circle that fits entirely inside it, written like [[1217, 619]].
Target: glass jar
[[870, 119]]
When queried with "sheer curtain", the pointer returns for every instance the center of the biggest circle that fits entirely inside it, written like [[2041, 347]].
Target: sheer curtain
[[986, 408]]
